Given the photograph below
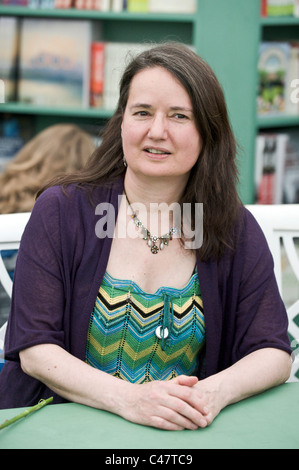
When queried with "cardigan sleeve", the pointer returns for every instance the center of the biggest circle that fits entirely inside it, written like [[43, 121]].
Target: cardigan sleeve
[[261, 319], [38, 298]]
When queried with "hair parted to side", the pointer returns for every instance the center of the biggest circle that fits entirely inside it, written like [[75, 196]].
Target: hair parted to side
[[58, 150], [214, 177]]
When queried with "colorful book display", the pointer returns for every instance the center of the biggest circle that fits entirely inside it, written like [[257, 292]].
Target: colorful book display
[[277, 167], [278, 83], [132, 6]]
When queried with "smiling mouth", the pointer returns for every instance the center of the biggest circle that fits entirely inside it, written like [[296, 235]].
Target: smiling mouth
[[156, 151]]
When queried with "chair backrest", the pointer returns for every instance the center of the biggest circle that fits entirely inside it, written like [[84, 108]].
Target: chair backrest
[[280, 224], [11, 230]]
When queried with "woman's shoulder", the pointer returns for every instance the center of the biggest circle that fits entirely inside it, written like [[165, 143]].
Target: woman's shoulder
[[249, 223], [252, 240], [73, 195], [74, 201], [60, 195]]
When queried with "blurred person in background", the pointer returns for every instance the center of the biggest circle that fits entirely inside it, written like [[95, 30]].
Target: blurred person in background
[[57, 150]]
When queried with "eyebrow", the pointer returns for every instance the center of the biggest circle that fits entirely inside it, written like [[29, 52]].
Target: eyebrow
[[141, 105], [181, 108], [172, 108]]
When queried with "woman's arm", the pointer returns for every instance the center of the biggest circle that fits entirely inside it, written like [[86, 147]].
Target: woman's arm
[[181, 403], [171, 405], [253, 374]]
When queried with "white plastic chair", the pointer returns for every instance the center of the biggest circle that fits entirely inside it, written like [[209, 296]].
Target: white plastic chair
[[11, 230], [280, 224]]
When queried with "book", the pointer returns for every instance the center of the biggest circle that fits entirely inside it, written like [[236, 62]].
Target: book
[[273, 66], [270, 157], [47, 4], [9, 40], [118, 5], [23, 3], [61, 4], [55, 62], [97, 70], [291, 169], [138, 6], [292, 86], [2, 91], [263, 8], [280, 7], [172, 6], [103, 5], [100, 5], [117, 56]]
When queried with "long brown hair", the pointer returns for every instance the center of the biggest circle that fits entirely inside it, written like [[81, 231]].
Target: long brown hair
[[213, 178]]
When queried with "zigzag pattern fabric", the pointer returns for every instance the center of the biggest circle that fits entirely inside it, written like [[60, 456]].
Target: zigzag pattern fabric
[[122, 338]]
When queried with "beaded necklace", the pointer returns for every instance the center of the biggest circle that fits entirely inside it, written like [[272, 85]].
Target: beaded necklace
[[154, 242]]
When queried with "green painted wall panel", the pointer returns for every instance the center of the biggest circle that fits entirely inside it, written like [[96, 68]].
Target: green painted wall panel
[[227, 37]]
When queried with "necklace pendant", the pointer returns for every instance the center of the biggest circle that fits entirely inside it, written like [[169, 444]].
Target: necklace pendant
[[152, 240], [154, 249], [161, 333]]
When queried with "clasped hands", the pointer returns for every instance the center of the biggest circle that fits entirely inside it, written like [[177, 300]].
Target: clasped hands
[[181, 403]]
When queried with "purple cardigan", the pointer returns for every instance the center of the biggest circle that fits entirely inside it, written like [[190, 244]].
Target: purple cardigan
[[61, 263]]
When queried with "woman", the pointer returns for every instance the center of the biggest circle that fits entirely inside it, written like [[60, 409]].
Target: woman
[[141, 322]]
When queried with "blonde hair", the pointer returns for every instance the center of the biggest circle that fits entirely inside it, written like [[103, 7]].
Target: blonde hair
[[57, 150]]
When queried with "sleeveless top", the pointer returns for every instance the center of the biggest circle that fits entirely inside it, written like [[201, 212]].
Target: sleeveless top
[[140, 337]]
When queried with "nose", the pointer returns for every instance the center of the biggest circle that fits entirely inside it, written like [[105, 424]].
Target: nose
[[158, 127]]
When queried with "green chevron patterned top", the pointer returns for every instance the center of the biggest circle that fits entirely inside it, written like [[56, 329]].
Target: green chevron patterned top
[[141, 337]]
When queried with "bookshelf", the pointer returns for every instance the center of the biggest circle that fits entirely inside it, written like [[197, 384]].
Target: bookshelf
[[115, 26], [278, 29], [282, 127], [226, 34], [93, 14]]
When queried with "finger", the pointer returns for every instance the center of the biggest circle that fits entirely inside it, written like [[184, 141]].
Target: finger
[[168, 425], [180, 412], [196, 415], [187, 380], [188, 395], [172, 420]]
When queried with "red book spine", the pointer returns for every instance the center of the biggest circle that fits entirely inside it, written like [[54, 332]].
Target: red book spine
[[97, 65], [263, 7]]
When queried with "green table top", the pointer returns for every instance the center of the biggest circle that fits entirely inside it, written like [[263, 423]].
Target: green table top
[[266, 421]]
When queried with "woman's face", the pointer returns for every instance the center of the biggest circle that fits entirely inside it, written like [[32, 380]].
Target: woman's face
[[159, 134]]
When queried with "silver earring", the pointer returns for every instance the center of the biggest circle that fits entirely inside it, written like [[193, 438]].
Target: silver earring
[[124, 161]]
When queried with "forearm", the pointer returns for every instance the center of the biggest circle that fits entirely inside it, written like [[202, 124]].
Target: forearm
[[253, 374], [71, 378], [169, 405]]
